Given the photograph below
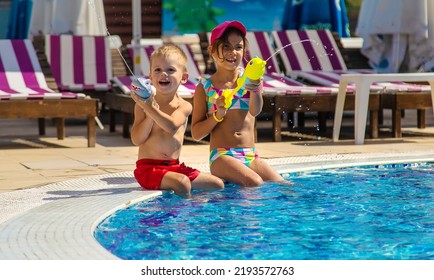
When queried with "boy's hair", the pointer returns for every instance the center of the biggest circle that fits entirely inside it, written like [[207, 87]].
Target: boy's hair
[[171, 49]]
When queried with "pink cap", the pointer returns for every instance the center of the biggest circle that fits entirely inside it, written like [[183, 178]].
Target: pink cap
[[218, 31]]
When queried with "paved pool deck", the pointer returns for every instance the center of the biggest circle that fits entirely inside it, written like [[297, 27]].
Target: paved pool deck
[[54, 192]]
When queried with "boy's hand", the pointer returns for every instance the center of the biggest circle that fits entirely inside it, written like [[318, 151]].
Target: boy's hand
[[144, 103], [142, 87]]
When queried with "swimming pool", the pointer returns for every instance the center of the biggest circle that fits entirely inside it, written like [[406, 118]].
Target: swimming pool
[[373, 212]]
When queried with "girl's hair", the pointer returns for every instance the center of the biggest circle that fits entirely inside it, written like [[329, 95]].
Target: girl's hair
[[171, 49], [224, 39]]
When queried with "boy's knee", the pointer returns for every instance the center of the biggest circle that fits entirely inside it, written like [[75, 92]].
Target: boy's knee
[[219, 184], [184, 187]]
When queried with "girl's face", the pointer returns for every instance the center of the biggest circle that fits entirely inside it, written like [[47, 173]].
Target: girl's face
[[230, 54], [167, 73]]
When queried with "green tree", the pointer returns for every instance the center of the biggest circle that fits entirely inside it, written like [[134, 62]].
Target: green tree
[[193, 15]]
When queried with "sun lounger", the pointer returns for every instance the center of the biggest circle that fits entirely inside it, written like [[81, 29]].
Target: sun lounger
[[80, 63], [362, 82], [24, 92], [313, 56]]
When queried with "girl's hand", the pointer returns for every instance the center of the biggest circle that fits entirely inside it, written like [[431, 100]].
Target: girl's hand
[[254, 85], [221, 110]]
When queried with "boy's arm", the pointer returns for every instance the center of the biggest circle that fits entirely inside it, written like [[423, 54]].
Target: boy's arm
[[169, 123], [142, 126]]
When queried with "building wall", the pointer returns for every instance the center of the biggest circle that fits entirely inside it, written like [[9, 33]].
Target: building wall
[[119, 18]]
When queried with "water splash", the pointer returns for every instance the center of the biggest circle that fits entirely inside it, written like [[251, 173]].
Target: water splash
[[300, 42]]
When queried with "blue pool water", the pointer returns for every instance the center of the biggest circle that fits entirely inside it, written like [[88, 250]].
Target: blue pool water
[[377, 212]]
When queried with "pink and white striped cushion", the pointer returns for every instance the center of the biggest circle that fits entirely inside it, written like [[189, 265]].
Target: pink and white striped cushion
[[21, 77], [300, 90], [80, 62], [313, 55], [260, 46], [145, 54], [273, 80], [331, 79], [306, 50], [278, 84]]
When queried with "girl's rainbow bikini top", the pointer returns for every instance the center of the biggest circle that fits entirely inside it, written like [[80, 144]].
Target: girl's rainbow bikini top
[[240, 101]]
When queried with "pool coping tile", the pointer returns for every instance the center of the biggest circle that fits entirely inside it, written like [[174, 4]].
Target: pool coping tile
[[56, 221]]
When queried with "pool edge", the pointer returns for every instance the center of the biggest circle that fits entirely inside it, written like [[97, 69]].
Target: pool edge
[[63, 228]]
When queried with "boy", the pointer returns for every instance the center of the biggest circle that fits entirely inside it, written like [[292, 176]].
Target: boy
[[159, 127]]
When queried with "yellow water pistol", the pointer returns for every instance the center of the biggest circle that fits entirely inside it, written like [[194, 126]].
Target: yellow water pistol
[[255, 69]]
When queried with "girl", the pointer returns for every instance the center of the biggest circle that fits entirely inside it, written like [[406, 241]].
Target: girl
[[233, 155]]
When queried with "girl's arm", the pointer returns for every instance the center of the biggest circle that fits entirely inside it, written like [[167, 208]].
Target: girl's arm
[[256, 100], [201, 125]]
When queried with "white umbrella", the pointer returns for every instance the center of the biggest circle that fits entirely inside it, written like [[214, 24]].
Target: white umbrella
[[78, 17], [398, 35], [82, 17]]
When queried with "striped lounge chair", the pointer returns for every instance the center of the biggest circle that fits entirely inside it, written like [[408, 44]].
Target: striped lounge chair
[[80, 63], [24, 92], [313, 56]]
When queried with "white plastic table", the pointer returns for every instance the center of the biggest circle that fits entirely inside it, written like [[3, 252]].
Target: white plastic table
[[362, 83]]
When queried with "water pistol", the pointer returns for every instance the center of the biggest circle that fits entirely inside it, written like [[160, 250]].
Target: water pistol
[[143, 88], [255, 69]]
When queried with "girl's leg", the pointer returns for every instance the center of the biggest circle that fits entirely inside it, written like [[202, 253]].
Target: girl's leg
[[233, 171], [266, 172]]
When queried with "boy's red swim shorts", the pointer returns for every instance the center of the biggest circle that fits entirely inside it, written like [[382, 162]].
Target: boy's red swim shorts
[[150, 172]]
